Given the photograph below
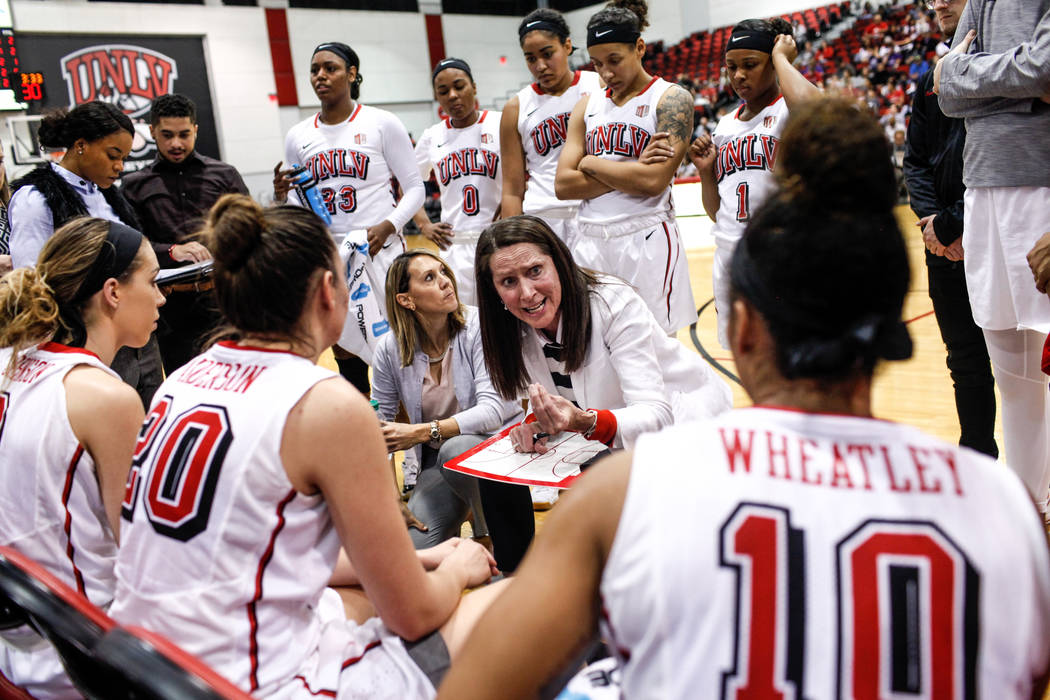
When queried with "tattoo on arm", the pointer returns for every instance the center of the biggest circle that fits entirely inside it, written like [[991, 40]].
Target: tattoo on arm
[[674, 114]]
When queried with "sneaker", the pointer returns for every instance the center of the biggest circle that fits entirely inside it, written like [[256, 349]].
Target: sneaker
[[544, 497]]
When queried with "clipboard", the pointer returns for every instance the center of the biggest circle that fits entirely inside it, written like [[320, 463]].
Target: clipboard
[[496, 460]]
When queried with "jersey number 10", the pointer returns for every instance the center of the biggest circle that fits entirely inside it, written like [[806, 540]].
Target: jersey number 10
[[907, 613]]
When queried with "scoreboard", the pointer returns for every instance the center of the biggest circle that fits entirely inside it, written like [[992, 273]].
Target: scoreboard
[[17, 89]]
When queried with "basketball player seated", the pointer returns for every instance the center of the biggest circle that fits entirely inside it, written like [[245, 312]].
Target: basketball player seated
[[254, 466], [809, 550]]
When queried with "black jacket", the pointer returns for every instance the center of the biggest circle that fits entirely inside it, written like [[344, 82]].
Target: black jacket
[[64, 202], [933, 164]]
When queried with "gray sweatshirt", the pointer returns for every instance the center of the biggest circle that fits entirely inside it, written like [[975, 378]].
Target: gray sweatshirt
[[996, 87]]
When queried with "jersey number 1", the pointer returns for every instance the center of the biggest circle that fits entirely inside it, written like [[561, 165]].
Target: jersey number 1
[[906, 600], [743, 202]]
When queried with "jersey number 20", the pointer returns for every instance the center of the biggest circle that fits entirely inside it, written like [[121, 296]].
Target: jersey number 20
[[906, 599], [186, 463]]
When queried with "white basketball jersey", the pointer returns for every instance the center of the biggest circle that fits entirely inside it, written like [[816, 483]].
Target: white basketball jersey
[[466, 165], [543, 122], [219, 552], [819, 557], [50, 505], [353, 176], [622, 133], [747, 152]]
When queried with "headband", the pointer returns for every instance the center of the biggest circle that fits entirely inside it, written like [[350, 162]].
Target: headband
[[871, 335], [540, 25], [754, 39], [118, 250], [342, 50], [611, 34], [451, 63]]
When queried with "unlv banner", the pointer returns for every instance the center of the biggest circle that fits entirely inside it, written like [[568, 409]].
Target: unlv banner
[[128, 71]]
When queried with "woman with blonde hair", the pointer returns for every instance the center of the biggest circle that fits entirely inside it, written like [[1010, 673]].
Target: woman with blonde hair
[[67, 422], [432, 361]]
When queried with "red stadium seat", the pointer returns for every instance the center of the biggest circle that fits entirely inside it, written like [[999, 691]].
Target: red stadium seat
[[103, 659]]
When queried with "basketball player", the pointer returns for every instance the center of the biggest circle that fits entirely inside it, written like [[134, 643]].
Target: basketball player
[[353, 151], [813, 551], [254, 466], [627, 222], [736, 161], [463, 150], [67, 422], [535, 123]]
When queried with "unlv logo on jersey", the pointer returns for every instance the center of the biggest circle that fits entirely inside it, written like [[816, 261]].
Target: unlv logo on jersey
[[768, 122], [642, 111], [129, 77]]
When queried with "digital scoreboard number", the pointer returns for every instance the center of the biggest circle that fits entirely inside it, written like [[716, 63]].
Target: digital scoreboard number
[[9, 79], [31, 87]]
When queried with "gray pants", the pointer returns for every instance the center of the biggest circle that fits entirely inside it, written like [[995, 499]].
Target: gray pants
[[442, 498]]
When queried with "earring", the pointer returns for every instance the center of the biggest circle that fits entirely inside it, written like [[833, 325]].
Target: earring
[[80, 151], [504, 307]]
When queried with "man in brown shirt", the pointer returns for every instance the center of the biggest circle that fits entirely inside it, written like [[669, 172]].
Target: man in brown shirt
[[172, 197]]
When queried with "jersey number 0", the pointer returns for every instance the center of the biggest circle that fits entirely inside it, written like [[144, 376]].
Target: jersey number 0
[[185, 465]]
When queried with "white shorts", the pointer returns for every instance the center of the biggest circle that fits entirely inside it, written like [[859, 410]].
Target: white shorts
[[38, 671], [720, 281], [354, 661], [563, 222], [1000, 226], [653, 261], [460, 257]]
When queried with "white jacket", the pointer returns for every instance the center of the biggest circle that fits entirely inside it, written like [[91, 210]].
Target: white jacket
[[646, 378]]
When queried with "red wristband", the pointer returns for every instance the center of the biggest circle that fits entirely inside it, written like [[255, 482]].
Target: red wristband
[[604, 428], [171, 248]]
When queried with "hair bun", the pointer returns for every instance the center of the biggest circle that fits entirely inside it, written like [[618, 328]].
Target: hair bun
[[639, 7], [235, 227], [53, 129]]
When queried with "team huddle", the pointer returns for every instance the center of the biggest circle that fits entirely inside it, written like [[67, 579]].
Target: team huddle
[[244, 507]]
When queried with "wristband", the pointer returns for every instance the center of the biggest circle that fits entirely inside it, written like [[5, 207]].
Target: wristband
[[604, 428]]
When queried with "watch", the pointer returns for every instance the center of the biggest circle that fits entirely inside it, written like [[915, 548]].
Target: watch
[[435, 431]]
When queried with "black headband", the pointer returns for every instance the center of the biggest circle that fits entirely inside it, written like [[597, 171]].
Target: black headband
[[753, 39], [451, 63], [541, 25], [871, 335], [611, 34], [118, 250], [342, 51]]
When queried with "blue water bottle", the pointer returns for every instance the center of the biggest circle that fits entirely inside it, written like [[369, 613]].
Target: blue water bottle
[[305, 186]]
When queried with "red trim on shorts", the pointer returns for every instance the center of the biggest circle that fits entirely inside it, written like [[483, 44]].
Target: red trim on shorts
[[59, 347], [253, 622], [9, 690], [668, 279], [68, 526], [350, 662], [324, 691]]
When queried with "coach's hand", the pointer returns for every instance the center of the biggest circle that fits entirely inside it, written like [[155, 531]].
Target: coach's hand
[[189, 252], [439, 233], [1039, 261], [402, 436], [962, 47], [954, 252], [377, 236]]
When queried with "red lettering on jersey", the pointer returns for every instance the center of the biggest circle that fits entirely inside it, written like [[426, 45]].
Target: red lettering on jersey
[[323, 165], [860, 450], [769, 149], [247, 377], [903, 487], [752, 160], [782, 453], [804, 459], [918, 456], [28, 370], [639, 140], [949, 459], [839, 469], [738, 451]]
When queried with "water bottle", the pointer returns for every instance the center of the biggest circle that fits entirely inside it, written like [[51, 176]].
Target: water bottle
[[305, 186]]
